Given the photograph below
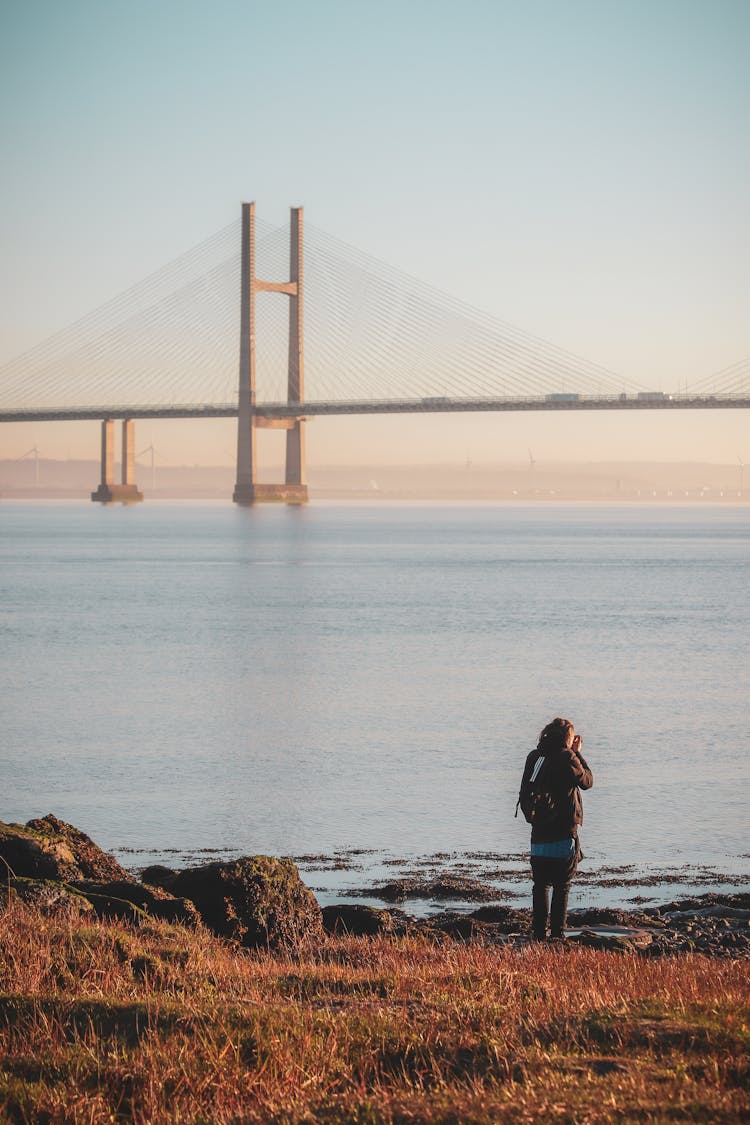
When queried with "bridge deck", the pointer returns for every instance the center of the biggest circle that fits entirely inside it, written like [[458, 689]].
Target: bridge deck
[[379, 406]]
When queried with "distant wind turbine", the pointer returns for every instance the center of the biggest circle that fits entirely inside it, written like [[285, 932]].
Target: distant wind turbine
[[28, 453], [150, 449]]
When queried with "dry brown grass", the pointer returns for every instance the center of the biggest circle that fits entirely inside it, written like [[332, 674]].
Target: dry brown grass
[[101, 1022]]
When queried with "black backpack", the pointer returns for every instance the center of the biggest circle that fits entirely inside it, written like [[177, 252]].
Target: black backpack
[[536, 800]]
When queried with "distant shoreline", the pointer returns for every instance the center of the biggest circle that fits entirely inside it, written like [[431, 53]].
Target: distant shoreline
[[386, 496], [491, 482]]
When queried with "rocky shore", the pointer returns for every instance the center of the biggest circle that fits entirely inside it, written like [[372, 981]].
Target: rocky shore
[[260, 901], [714, 925]]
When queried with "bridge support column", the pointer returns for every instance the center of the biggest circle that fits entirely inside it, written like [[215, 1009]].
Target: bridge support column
[[247, 490], [244, 489], [127, 492], [296, 469], [107, 480]]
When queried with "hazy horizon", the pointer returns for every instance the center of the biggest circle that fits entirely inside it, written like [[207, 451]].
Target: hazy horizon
[[605, 481], [575, 169]]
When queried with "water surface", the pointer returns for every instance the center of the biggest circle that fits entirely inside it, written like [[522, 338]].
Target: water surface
[[304, 680]]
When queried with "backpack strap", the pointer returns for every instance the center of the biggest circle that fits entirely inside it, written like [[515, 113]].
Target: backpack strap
[[538, 765]]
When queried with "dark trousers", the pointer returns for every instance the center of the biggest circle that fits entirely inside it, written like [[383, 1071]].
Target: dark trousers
[[555, 873]]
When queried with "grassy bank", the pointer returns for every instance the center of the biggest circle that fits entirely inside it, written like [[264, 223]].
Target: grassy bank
[[106, 1022]]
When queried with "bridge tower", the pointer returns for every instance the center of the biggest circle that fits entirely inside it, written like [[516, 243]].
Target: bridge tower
[[247, 490]]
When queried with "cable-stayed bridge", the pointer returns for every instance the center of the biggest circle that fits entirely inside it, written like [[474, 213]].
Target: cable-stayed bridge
[[356, 336]]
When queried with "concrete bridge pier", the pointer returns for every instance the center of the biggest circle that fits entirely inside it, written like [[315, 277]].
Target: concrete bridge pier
[[294, 489], [127, 491], [296, 469]]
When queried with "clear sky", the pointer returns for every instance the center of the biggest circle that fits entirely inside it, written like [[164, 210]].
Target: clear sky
[[576, 167]]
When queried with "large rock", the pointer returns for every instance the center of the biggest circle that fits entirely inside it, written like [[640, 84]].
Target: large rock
[[256, 900], [507, 919], [129, 900], [620, 939], [48, 897], [49, 848], [359, 921], [734, 912]]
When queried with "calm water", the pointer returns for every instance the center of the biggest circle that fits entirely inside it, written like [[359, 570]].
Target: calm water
[[288, 681]]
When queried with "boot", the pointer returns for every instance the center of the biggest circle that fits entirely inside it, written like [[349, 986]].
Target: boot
[[540, 901]]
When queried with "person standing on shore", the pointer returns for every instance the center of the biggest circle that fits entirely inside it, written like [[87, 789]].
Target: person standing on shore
[[550, 799]]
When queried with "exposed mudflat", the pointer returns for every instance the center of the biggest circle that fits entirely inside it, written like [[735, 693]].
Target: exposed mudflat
[[438, 889], [426, 884]]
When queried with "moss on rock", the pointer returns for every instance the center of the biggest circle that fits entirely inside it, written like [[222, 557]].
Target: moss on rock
[[47, 896], [120, 899], [256, 900], [48, 848]]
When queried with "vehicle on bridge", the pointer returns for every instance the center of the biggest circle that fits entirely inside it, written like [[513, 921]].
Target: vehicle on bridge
[[652, 396], [563, 396]]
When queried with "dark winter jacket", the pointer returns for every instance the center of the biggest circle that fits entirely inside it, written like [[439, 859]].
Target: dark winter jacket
[[565, 773]]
